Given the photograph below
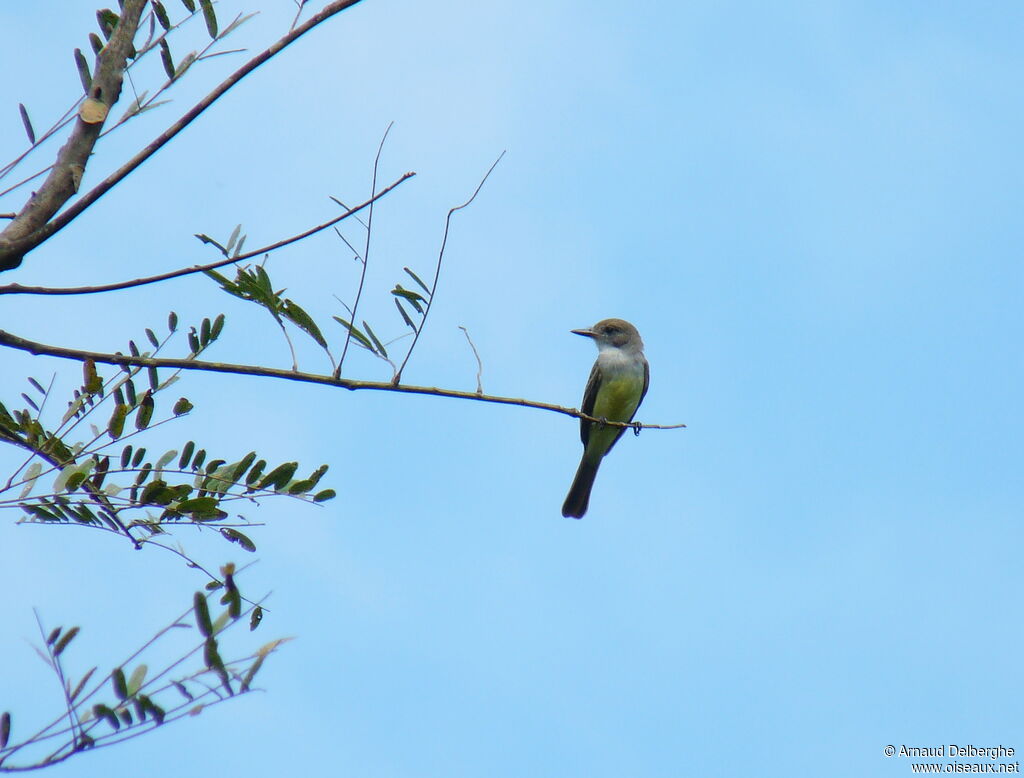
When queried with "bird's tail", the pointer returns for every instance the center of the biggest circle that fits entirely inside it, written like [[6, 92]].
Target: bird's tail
[[579, 493]]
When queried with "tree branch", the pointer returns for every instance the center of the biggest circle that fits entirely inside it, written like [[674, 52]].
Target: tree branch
[[26, 230], [14, 341], [14, 244], [19, 289]]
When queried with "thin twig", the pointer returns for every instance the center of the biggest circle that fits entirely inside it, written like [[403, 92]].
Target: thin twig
[[479, 364], [366, 251], [437, 271], [73, 722], [79, 355], [301, 4], [19, 289]]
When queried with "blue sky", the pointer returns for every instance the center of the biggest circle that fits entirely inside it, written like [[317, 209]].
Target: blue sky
[[811, 213]]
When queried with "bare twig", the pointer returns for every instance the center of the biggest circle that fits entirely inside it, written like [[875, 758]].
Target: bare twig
[[366, 250], [479, 364], [301, 4], [14, 341], [19, 289], [73, 722], [437, 271], [14, 244]]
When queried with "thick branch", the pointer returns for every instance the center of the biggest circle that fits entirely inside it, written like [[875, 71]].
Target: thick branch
[[14, 341], [22, 234], [13, 250]]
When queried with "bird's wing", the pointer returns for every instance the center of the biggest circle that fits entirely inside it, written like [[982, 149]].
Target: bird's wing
[[647, 382], [589, 398]]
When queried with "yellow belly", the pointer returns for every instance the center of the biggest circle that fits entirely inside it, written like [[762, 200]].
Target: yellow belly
[[618, 398]]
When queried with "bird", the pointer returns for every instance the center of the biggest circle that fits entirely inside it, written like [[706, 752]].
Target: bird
[[617, 385]]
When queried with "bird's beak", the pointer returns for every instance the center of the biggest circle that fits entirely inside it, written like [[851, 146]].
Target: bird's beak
[[585, 333]]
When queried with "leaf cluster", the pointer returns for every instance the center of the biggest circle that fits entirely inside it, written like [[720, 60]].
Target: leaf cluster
[[131, 490], [136, 697]]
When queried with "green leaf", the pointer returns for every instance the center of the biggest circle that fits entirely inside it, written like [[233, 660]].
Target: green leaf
[[232, 597], [154, 710], [135, 681], [108, 21], [145, 414], [172, 321], [376, 341], [117, 680], [5, 728], [31, 402], [405, 316], [210, 17], [256, 472], [182, 407], [279, 477], [202, 612], [204, 238], [165, 58], [361, 339], [416, 278], [63, 642], [75, 480], [304, 321], [201, 508], [81, 685], [413, 298], [190, 5], [140, 454], [143, 474], [101, 711], [116, 424], [186, 453], [237, 537], [91, 382], [161, 14], [255, 618], [152, 338], [28, 124], [72, 476], [83, 70], [239, 469], [97, 44], [326, 494], [101, 472], [300, 487]]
